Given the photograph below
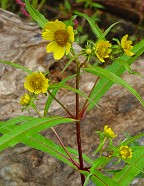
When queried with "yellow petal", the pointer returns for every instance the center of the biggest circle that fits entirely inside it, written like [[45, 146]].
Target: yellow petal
[[68, 46], [48, 35], [59, 53], [71, 33], [123, 40], [51, 47], [59, 24], [51, 26], [128, 52], [100, 58]]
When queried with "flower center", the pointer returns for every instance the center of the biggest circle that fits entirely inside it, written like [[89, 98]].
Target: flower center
[[36, 83], [61, 37], [126, 152]]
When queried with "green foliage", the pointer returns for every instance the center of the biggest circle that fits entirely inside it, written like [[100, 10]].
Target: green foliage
[[96, 30], [134, 166], [26, 129], [15, 65], [100, 179], [118, 69], [36, 15], [114, 78], [4, 4], [54, 92]]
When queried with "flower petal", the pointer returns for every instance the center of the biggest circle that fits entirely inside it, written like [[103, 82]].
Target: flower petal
[[47, 35], [59, 53], [68, 46], [71, 33], [51, 26], [51, 47], [59, 24]]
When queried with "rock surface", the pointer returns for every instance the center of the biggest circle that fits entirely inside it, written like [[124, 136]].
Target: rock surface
[[23, 166]]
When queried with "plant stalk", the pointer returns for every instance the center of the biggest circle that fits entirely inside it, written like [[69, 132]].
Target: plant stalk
[[60, 141], [78, 131], [68, 112], [86, 104], [71, 159]]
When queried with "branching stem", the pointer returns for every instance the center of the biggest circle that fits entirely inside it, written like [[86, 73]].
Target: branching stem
[[78, 131]]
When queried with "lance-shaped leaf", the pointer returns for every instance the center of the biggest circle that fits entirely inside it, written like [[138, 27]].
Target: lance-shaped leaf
[[100, 179], [40, 142], [132, 139], [54, 92], [104, 84], [36, 141], [132, 169], [114, 78], [96, 30], [96, 164], [52, 86], [29, 128], [36, 15], [16, 65], [43, 144]]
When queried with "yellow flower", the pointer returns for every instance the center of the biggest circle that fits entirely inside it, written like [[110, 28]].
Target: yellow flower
[[102, 50], [25, 100], [109, 132], [125, 152], [61, 37], [36, 83], [126, 45]]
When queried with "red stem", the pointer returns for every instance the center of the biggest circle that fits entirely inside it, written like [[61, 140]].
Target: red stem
[[78, 126], [71, 159]]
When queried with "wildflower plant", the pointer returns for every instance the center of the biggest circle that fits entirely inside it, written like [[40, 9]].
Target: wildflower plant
[[26, 129]]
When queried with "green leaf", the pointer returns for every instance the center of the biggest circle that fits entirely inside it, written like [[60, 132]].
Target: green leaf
[[54, 92], [30, 128], [114, 78], [67, 5], [108, 29], [132, 139], [100, 179], [69, 62], [13, 122], [71, 20], [37, 141], [15, 65], [104, 84], [127, 67], [40, 142], [55, 149], [36, 15], [97, 5], [96, 164], [43, 144], [85, 157], [140, 175], [96, 30], [131, 170], [72, 89]]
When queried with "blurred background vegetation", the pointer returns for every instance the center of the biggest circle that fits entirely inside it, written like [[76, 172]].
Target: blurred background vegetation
[[104, 13]]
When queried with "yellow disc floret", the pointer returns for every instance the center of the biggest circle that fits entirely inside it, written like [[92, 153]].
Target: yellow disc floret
[[126, 45], [102, 50], [60, 36], [125, 152], [109, 132], [36, 83]]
